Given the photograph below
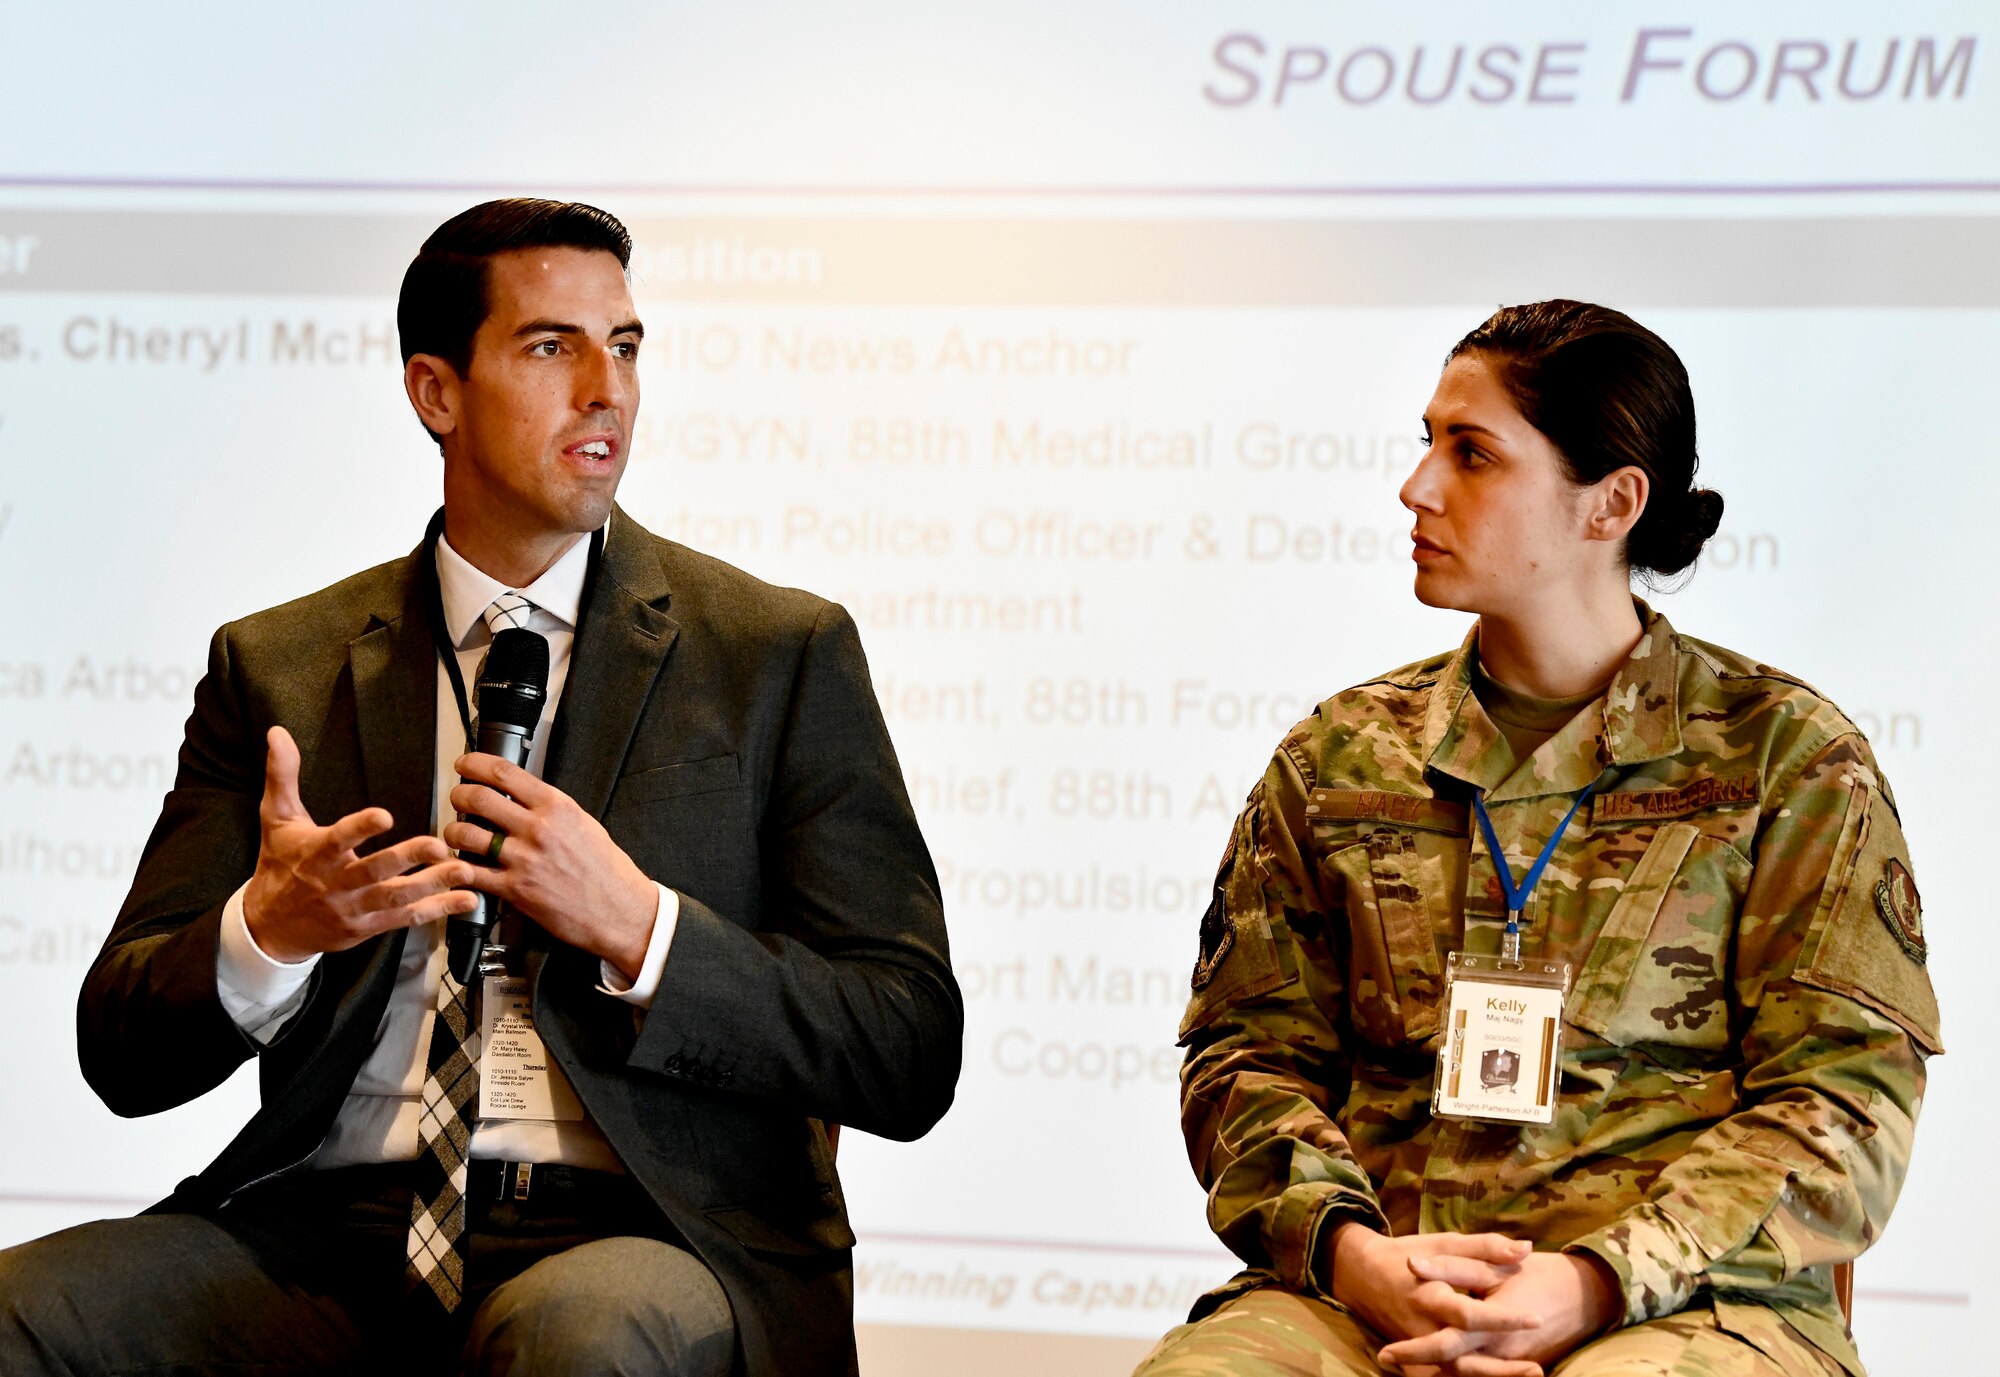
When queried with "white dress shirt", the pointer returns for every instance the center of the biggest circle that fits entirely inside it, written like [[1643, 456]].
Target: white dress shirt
[[378, 1122]]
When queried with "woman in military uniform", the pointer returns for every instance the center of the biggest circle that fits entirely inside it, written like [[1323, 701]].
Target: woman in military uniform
[[1744, 1029]]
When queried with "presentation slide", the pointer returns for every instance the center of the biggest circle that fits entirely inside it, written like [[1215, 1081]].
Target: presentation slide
[[1079, 350]]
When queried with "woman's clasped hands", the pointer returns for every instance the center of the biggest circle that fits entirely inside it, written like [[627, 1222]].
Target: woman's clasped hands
[[1470, 1305]]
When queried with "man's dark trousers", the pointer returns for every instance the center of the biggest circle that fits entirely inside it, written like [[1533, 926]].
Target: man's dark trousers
[[303, 1275]]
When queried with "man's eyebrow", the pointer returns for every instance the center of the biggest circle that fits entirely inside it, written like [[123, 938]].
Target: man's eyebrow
[[557, 327]]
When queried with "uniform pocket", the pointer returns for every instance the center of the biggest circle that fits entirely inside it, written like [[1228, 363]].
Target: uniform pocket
[[1239, 956], [1867, 940], [1401, 891], [1658, 972]]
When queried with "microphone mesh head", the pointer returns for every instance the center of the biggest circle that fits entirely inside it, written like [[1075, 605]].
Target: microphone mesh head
[[515, 679]]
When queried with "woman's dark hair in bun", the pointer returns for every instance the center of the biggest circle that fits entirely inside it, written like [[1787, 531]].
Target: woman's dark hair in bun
[[1608, 393]]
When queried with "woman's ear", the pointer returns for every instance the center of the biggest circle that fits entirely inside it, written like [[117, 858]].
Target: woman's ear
[[1617, 501]]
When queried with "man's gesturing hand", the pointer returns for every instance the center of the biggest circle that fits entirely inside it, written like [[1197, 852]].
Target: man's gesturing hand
[[311, 893], [558, 865]]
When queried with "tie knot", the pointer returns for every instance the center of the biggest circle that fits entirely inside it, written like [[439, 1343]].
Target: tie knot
[[509, 610]]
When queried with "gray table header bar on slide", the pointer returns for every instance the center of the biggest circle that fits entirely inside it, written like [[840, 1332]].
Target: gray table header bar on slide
[[942, 261]]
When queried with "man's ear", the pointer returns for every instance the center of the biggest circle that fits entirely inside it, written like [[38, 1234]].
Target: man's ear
[[433, 388], [1617, 501]]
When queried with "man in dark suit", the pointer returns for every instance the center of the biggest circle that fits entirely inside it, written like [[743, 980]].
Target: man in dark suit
[[729, 935]]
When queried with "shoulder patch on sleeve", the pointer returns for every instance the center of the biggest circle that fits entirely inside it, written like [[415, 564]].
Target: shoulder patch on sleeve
[[1218, 934], [1867, 938], [1896, 900]]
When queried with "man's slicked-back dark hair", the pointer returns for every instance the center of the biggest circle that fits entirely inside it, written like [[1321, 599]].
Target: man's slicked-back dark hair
[[444, 301]]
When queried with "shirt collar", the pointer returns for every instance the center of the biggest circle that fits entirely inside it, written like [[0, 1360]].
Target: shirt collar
[[1640, 721], [468, 590]]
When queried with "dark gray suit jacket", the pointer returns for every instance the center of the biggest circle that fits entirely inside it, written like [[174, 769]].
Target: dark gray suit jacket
[[727, 734]]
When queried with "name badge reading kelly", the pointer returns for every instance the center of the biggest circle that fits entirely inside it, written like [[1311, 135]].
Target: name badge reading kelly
[[1502, 1041], [515, 1078]]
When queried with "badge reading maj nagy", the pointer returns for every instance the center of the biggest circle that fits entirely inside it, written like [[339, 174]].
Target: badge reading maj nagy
[[1896, 900]]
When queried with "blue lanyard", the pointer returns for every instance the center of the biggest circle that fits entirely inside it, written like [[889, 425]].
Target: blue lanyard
[[1517, 896]]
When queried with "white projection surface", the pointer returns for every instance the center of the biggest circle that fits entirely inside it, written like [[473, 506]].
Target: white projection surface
[[1079, 350]]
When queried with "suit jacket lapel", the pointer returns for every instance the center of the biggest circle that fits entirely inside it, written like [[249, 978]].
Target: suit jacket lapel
[[394, 664], [621, 644], [622, 641], [393, 668]]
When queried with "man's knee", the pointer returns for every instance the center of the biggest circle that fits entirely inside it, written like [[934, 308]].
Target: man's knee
[[615, 1306], [37, 1331], [51, 1293], [164, 1291]]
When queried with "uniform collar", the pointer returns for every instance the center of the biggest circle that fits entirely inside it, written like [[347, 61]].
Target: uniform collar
[[1638, 719], [467, 590], [1642, 710]]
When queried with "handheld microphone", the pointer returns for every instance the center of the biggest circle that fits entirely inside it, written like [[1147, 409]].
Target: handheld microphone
[[513, 685]]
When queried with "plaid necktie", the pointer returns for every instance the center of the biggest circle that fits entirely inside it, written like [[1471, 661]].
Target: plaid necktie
[[449, 1104], [509, 610]]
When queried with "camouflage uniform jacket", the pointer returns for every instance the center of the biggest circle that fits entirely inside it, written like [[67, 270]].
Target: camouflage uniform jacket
[[1743, 1055]]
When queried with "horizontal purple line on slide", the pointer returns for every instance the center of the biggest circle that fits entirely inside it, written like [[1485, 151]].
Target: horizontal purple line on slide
[[1863, 1293], [1006, 191], [1044, 1245], [1151, 1250]]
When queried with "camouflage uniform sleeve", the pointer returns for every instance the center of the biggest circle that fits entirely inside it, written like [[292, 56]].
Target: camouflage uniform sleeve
[[1829, 974], [1264, 1061]]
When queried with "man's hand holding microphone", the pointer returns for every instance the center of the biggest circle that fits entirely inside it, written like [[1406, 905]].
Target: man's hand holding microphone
[[312, 892]]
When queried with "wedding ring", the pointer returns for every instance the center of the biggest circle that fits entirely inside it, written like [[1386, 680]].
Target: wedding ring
[[493, 847]]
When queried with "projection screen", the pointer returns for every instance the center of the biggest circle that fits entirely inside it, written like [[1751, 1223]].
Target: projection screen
[[1079, 350]]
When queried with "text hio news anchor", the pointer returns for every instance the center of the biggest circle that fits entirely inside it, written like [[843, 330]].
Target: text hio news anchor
[[727, 929]]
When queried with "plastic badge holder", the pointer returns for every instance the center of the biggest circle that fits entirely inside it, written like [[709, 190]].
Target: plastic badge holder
[[1503, 1039]]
